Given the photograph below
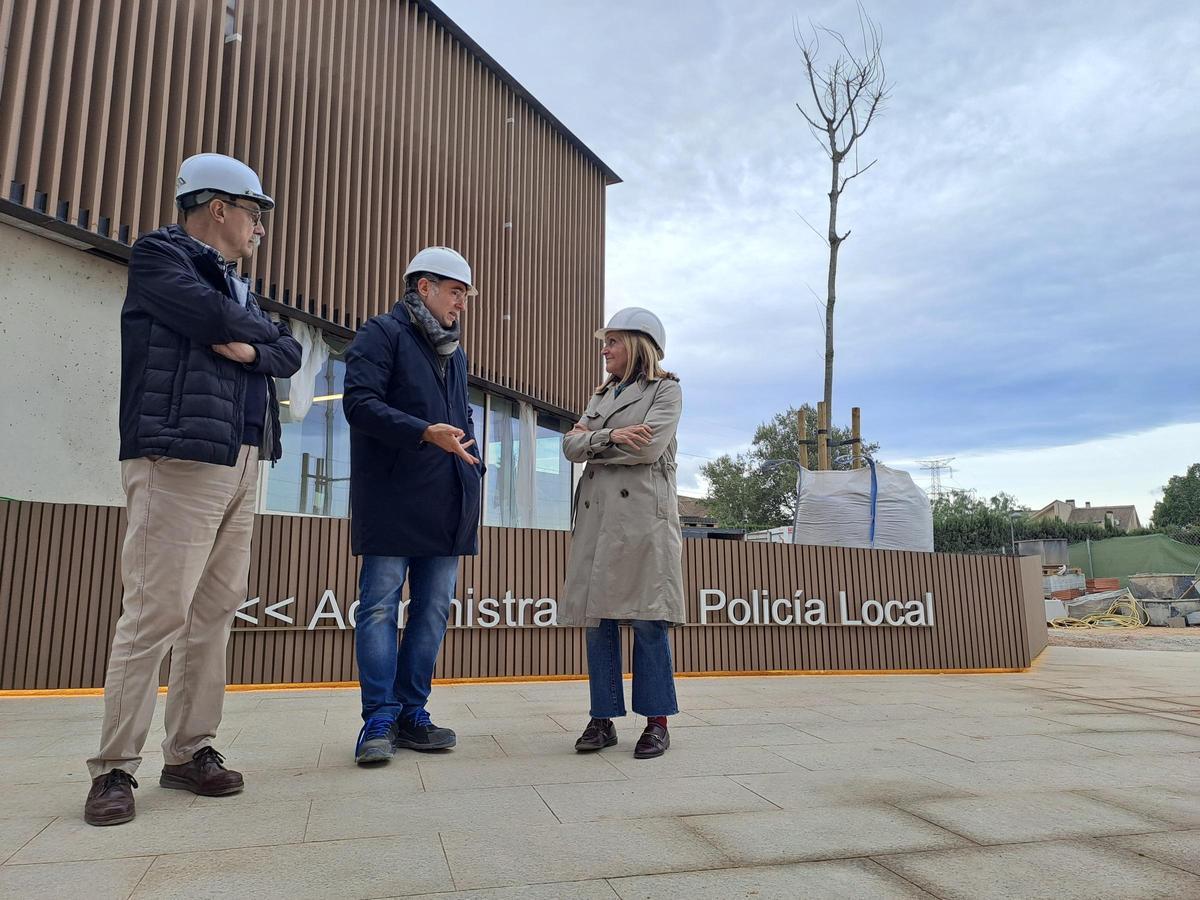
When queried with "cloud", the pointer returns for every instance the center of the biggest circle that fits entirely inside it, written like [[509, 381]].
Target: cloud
[[1022, 258], [1096, 471]]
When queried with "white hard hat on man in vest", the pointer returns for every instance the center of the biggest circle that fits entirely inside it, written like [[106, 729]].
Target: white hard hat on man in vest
[[207, 176]]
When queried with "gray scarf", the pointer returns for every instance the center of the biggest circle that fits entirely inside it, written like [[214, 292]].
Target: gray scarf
[[443, 340]]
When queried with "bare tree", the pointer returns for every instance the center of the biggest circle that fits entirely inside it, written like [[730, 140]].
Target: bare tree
[[847, 95]]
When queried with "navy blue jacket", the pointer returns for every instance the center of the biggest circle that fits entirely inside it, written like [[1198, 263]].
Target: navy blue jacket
[[407, 498], [178, 397]]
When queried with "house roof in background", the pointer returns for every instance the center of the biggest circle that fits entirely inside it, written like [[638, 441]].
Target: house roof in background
[[1084, 515], [694, 508]]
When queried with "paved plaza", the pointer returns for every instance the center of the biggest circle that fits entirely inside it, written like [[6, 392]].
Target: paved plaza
[[1078, 779]]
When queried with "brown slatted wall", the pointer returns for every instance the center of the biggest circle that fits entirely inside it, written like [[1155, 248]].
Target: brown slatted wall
[[60, 597], [376, 129]]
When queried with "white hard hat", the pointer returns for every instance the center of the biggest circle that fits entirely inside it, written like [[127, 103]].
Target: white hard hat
[[441, 261], [634, 318], [215, 174]]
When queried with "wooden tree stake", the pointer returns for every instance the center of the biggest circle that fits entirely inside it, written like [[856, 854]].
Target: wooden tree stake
[[856, 435], [822, 436], [802, 434]]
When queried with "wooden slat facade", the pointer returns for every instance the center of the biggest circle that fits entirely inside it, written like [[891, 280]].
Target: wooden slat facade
[[377, 126], [60, 596]]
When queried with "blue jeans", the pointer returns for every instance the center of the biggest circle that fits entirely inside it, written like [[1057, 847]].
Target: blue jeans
[[396, 682], [653, 671]]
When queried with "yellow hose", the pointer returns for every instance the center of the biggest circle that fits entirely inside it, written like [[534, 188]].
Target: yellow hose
[[1113, 617]]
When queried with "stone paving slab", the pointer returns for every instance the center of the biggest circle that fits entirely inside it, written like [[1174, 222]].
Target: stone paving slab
[[650, 798], [577, 851], [1041, 816], [691, 760], [105, 879], [1002, 747], [597, 889], [1137, 742], [828, 832], [1080, 778], [315, 871], [855, 879], [1180, 849], [1079, 870], [335, 818], [449, 774], [1165, 769], [798, 790], [229, 825], [65, 799], [1002, 777], [1178, 805], [866, 755], [17, 832]]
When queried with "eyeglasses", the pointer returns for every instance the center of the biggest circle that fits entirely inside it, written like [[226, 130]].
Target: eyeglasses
[[460, 294], [255, 214]]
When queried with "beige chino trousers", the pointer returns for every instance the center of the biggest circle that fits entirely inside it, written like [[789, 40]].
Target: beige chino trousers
[[185, 566]]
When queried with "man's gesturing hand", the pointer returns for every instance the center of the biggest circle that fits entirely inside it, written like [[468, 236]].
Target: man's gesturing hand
[[635, 436], [237, 351], [451, 440]]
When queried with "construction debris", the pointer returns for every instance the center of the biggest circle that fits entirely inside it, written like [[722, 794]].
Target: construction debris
[[1123, 611]]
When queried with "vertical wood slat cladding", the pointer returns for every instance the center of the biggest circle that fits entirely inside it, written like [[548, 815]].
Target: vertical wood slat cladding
[[376, 125], [60, 596]]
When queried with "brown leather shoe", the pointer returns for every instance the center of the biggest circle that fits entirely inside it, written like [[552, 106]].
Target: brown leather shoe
[[653, 742], [110, 801], [600, 733], [205, 775]]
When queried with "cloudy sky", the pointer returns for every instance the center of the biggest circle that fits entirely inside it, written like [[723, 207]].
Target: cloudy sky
[[1019, 291]]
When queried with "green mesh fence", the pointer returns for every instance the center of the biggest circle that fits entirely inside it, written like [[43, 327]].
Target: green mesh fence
[[1124, 556]]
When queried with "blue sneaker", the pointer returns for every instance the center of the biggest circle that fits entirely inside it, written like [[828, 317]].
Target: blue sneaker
[[416, 731], [375, 741]]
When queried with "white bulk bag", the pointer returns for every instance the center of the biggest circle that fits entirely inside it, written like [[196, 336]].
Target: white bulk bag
[[874, 507]]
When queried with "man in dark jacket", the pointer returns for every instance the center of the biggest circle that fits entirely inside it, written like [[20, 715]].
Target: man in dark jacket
[[198, 411], [414, 496]]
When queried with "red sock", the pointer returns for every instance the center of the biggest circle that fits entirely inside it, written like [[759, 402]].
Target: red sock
[[660, 721]]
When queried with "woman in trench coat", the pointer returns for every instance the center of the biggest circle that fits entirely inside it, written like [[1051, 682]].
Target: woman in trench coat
[[626, 547]]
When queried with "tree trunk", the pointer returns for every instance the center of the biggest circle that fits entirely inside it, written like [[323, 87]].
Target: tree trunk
[[831, 286]]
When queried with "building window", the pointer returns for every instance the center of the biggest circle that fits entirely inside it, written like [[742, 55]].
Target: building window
[[478, 401], [553, 477], [313, 477], [528, 482], [500, 505]]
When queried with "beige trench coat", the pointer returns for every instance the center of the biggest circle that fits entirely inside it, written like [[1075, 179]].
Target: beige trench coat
[[626, 547]]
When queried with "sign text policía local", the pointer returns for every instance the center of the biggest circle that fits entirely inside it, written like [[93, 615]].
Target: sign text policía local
[[511, 611]]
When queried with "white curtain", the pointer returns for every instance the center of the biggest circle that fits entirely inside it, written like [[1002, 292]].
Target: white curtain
[[527, 468], [302, 385]]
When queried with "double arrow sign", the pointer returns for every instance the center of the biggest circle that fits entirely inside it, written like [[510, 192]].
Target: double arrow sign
[[272, 610]]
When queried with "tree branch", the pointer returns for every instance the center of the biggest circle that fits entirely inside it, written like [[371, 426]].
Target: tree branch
[[857, 172], [824, 240]]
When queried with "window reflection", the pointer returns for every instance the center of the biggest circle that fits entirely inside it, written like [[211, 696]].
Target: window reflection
[[519, 491], [503, 452], [313, 477], [553, 474]]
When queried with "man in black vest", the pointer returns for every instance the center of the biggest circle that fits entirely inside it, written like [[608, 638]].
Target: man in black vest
[[198, 411]]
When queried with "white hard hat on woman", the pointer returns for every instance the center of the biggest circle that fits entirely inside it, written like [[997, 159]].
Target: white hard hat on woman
[[635, 318]]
